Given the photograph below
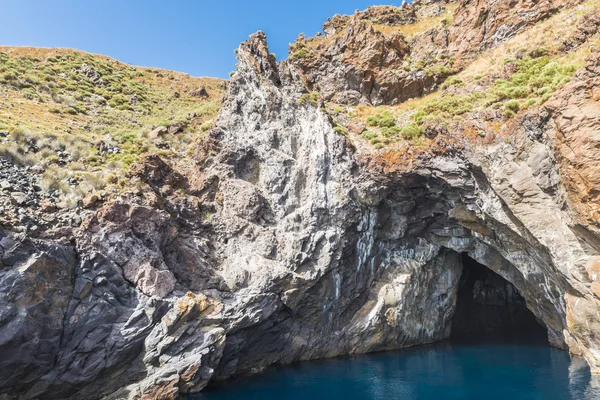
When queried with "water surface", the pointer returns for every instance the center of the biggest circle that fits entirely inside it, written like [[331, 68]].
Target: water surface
[[452, 370]]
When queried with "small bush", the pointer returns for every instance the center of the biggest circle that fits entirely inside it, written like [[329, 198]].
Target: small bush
[[112, 178], [513, 105], [369, 135], [453, 81], [19, 134], [535, 76], [410, 132], [391, 132], [383, 120], [29, 93], [341, 130], [51, 180], [545, 97], [450, 105], [312, 98], [303, 52], [538, 52], [531, 102]]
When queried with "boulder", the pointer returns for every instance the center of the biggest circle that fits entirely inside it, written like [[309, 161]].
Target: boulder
[[157, 132], [198, 92]]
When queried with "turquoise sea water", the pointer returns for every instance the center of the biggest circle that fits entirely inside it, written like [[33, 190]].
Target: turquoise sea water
[[450, 371]]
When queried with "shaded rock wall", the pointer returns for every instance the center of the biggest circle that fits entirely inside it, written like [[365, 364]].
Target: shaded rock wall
[[489, 303]]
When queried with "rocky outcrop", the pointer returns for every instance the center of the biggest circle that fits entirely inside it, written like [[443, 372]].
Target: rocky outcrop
[[358, 64], [285, 242], [355, 63], [480, 24], [574, 125], [35, 293]]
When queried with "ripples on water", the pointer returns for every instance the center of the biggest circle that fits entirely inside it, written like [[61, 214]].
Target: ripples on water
[[445, 371]]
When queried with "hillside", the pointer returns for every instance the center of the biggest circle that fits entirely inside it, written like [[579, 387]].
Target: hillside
[[160, 232], [82, 119], [411, 80]]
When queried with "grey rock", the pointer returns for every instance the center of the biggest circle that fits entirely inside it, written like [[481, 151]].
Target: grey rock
[[19, 197], [159, 131]]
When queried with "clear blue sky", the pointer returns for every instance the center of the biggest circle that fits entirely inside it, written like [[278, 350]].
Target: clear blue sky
[[193, 36]]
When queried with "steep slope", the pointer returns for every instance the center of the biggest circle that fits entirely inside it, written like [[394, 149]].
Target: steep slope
[[293, 232], [78, 120]]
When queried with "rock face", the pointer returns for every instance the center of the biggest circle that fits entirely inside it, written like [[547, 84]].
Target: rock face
[[35, 294], [356, 63], [361, 65], [288, 245], [480, 24]]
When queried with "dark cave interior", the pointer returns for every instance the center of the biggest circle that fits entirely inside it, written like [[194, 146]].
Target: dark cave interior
[[490, 307]]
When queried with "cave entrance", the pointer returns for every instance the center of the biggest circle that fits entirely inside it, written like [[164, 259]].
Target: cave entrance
[[490, 308]]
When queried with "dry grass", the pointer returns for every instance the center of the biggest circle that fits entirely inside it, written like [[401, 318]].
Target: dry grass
[[547, 34]]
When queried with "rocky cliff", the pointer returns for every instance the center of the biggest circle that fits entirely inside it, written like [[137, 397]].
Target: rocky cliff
[[294, 232]]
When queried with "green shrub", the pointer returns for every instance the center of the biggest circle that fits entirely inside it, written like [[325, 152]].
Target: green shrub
[[509, 113], [299, 54], [32, 80], [10, 76], [451, 105], [453, 81], [391, 132], [545, 97], [421, 64], [29, 93], [127, 137], [535, 76], [420, 116], [18, 134], [112, 178], [383, 120], [538, 52], [410, 132], [341, 130], [312, 98], [512, 105], [531, 102], [369, 135], [543, 90]]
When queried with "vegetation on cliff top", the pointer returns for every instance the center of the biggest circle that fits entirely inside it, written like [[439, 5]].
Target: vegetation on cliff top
[[82, 117], [521, 73]]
